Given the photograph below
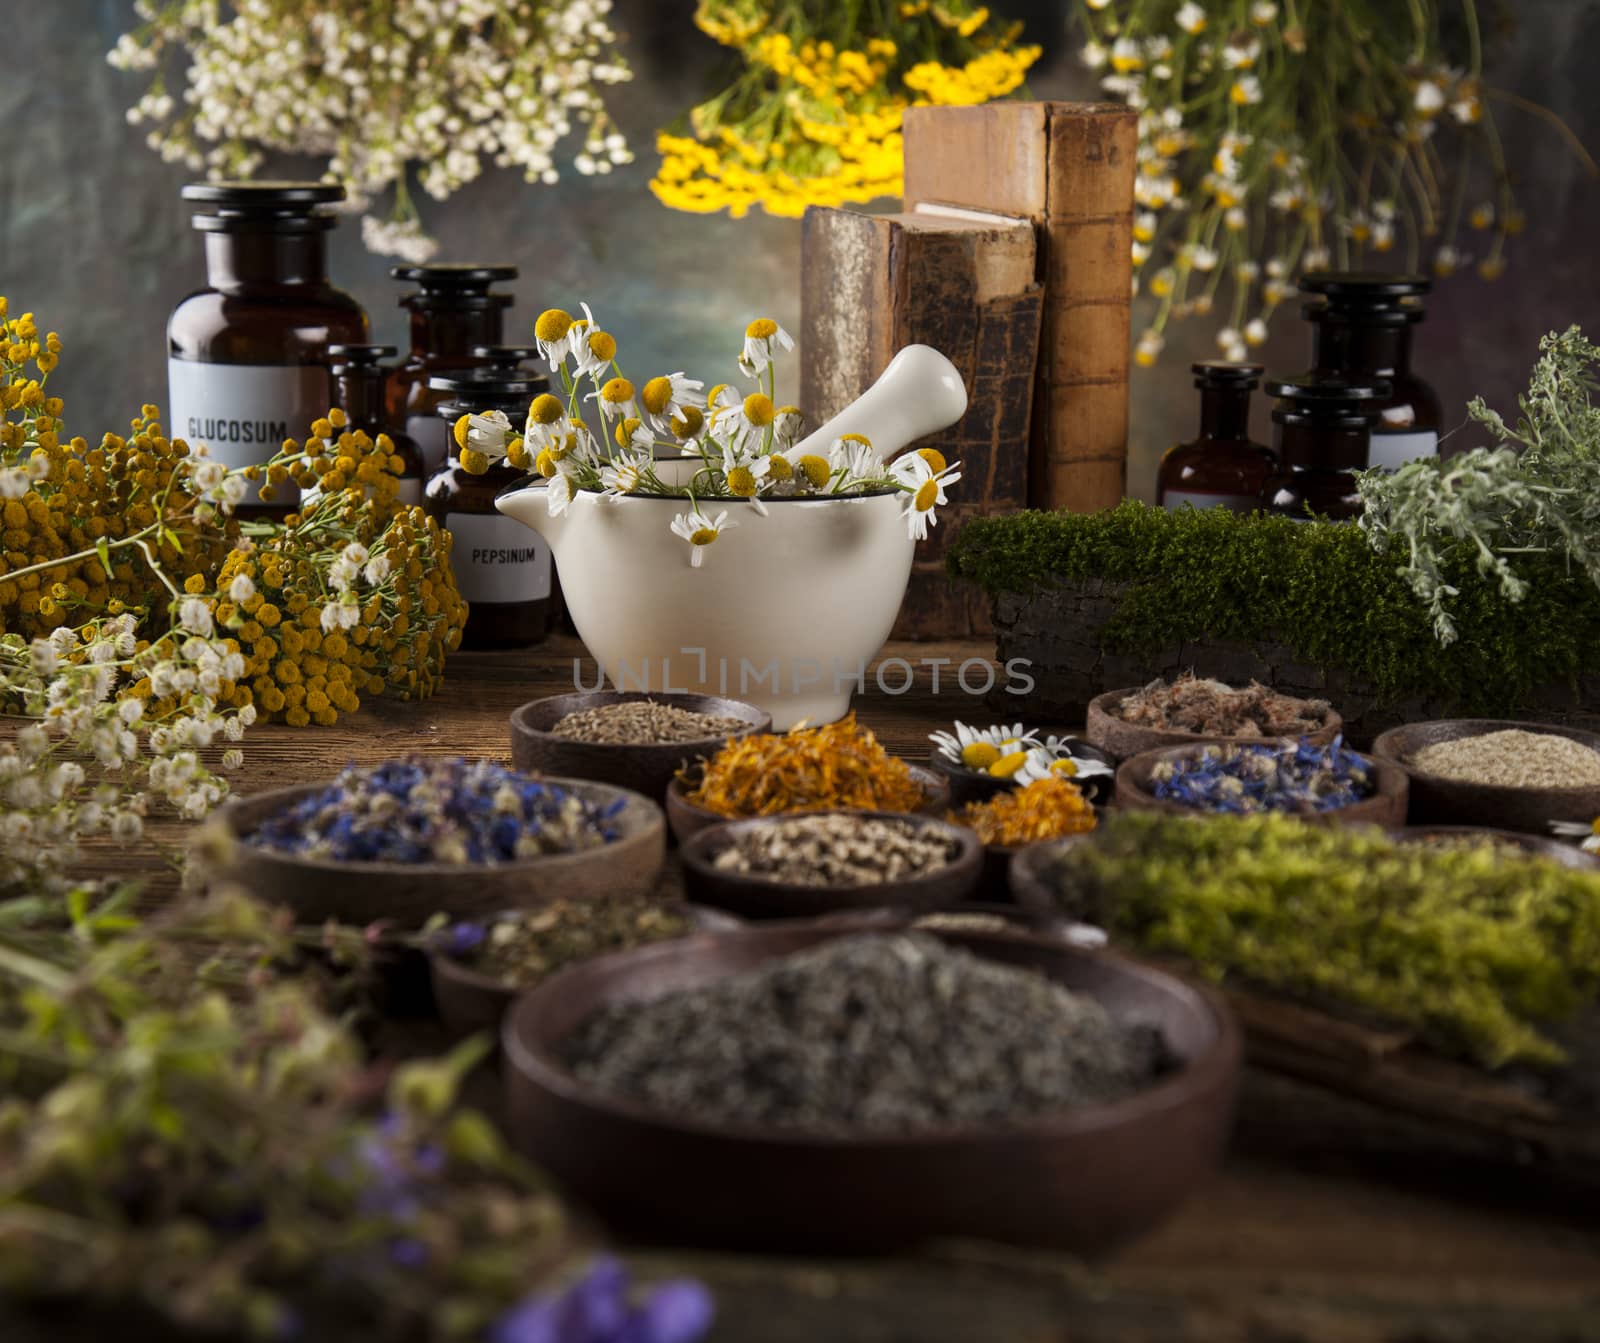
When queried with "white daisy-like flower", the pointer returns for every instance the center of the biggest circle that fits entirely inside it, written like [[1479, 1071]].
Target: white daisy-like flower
[[1055, 760], [1428, 99], [665, 398], [763, 338], [1094, 55], [623, 478], [1263, 12], [854, 457], [700, 531], [926, 488], [981, 748], [1246, 90], [592, 348], [615, 397], [487, 433], [559, 493], [1255, 332], [1589, 833], [1190, 17], [787, 423], [1241, 51]]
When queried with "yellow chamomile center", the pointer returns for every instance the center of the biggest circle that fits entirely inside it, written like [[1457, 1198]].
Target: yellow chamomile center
[[763, 328], [979, 754], [517, 453], [778, 468], [856, 438], [553, 325], [624, 433], [934, 458], [617, 391], [473, 462], [927, 496], [741, 482], [627, 480], [688, 422], [815, 469], [703, 536], [1065, 768], [545, 409], [758, 409], [603, 346], [545, 463], [1007, 765], [459, 433], [655, 395]]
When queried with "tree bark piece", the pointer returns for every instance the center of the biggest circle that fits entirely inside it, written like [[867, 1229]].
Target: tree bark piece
[[1069, 167]]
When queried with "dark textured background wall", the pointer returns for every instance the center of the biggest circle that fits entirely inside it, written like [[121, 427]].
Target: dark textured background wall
[[94, 239]]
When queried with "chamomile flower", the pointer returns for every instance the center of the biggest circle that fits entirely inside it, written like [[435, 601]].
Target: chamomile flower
[[666, 396], [615, 397], [853, 458], [482, 440], [622, 478], [700, 531], [751, 420], [592, 348], [981, 749], [1245, 91], [559, 493], [551, 332], [1055, 760], [1190, 17], [1428, 98], [762, 340], [746, 475], [1589, 832], [787, 422], [926, 488]]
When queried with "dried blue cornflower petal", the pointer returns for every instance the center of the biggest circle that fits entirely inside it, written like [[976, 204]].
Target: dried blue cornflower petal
[[448, 810], [1260, 776]]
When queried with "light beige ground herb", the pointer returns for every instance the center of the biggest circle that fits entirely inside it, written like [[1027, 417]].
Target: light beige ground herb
[[1513, 759], [643, 722]]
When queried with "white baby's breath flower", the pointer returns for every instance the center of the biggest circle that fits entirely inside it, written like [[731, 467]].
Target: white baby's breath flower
[[241, 589], [195, 616]]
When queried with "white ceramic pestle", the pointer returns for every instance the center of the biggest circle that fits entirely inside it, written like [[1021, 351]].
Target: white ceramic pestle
[[919, 393]]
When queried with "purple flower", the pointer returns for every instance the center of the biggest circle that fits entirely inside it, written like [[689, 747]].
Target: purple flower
[[408, 1251], [595, 1309], [461, 939]]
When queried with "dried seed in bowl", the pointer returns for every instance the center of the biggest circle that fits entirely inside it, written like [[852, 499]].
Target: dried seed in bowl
[[521, 948], [874, 1033], [837, 850], [1512, 758], [644, 722]]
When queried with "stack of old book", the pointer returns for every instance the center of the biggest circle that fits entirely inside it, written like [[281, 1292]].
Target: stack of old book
[[1012, 255]]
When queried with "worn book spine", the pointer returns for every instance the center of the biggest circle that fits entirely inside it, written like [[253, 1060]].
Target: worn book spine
[[872, 284], [1068, 167]]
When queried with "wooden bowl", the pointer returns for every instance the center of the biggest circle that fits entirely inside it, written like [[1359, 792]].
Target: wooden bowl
[[1446, 802], [644, 769], [1386, 806], [1538, 846], [772, 898], [1086, 1180], [686, 818], [469, 1001], [968, 785], [1121, 740], [984, 916], [407, 894]]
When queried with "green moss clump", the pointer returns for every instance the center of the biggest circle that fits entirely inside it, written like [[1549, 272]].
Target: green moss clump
[[1320, 589], [1474, 948]]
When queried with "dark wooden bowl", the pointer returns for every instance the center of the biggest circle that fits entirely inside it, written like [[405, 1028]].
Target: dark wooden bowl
[[1386, 806], [644, 769], [1445, 802], [967, 785], [1121, 740], [771, 898], [984, 916], [686, 818], [1027, 884], [1539, 846], [407, 894], [469, 1001], [1087, 1180]]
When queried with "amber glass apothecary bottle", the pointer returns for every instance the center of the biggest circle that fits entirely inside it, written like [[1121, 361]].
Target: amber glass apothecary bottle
[[1320, 429], [506, 358], [1221, 467], [359, 379], [453, 309], [503, 569], [247, 355], [1362, 330]]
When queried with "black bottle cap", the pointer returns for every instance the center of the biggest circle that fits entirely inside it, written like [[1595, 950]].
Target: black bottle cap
[[1225, 376], [454, 279], [282, 207], [358, 356], [1360, 288], [473, 384], [508, 358], [1325, 398]]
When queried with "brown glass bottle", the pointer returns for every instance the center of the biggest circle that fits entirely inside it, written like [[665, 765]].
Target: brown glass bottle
[[452, 310], [358, 390], [247, 355], [1320, 428], [1362, 330], [508, 358], [503, 569], [1221, 468]]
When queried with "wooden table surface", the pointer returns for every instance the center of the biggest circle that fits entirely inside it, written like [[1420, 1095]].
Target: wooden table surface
[[1330, 1220]]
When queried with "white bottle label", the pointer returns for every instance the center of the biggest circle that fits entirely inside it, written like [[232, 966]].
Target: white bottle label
[[1392, 451], [243, 412], [497, 559], [1238, 503]]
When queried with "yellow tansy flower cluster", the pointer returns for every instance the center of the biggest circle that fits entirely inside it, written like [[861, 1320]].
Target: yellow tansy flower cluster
[[815, 117], [350, 596]]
